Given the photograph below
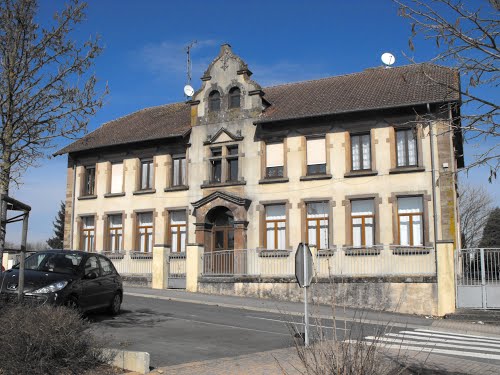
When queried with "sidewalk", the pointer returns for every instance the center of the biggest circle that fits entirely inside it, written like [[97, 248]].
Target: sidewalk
[[318, 311]]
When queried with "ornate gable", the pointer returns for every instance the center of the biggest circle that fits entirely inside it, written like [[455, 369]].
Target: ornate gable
[[223, 136]]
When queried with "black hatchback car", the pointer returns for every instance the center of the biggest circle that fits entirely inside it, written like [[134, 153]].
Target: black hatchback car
[[87, 281]]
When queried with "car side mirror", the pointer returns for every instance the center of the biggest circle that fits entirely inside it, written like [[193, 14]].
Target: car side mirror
[[90, 276]]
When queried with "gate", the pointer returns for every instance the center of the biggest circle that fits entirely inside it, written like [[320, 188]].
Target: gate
[[176, 270], [478, 278]]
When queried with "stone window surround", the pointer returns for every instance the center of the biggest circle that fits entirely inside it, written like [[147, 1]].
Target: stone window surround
[[109, 176], [169, 165], [393, 149], [426, 201], [138, 175], [224, 97], [82, 175], [303, 214], [79, 226], [166, 214], [328, 146], [268, 180], [348, 217], [135, 227], [106, 228], [261, 209], [348, 153], [224, 168]]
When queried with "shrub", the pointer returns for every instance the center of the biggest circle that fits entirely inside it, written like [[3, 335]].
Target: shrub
[[47, 340]]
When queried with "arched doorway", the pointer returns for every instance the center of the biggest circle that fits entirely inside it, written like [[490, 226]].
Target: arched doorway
[[222, 221]]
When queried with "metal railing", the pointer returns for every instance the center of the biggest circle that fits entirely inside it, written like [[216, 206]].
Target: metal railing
[[476, 266], [352, 262], [130, 262]]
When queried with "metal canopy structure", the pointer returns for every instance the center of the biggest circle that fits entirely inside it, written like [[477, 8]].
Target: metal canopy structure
[[10, 204]]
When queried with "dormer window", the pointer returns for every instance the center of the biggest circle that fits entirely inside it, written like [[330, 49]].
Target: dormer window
[[214, 101], [234, 98]]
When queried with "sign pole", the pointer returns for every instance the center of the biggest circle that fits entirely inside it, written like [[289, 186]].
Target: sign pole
[[306, 314]]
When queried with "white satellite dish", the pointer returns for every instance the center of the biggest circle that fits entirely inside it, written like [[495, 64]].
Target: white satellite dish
[[388, 59], [188, 90]]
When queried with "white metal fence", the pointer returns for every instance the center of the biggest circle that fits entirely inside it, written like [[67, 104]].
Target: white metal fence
[[352, 262], [132, 262]]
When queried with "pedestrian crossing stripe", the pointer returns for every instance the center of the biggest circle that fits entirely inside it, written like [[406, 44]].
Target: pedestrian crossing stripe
[[438, 342]]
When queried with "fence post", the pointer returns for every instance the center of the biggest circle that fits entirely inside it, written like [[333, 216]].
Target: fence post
[[445, 277], [160, 267], [194, 255]]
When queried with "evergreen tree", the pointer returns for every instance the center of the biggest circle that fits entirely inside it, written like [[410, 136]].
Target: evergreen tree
[[56, 242], [491, 233]]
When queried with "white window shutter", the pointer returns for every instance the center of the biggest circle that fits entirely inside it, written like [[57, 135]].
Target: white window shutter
[[274, 155], [316, 152]]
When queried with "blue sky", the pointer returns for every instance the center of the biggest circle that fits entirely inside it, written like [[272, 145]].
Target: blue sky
[[282, 41]]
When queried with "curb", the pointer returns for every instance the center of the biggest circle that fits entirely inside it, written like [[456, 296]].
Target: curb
[[137, 362], [445, 326]]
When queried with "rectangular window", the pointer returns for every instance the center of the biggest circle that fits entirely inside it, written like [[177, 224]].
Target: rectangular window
[[89, 181], [410, 219], [216, 165], [146, 174], [179, 171], [116, 178], [274, 160], [88, 233], [178, 231], [275, 227], [406, 147], [115, 233], [316, 156], [360, 152], [363, 223], [145, 232], [317, 224], [232, 163]]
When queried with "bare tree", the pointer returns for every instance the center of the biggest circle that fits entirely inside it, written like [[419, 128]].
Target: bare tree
[[475, 205], [46, 90], [466, 33]]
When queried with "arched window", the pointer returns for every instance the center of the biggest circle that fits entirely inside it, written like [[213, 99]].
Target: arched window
[[234, 98], [214, 101]]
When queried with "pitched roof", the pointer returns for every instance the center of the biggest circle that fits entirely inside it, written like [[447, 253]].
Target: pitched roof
[[164, 121], [371, 89]]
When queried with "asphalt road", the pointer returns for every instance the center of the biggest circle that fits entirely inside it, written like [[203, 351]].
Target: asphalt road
[[178, 332]]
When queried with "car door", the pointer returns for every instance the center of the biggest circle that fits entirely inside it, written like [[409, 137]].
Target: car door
[[91, 285], [109, 280]]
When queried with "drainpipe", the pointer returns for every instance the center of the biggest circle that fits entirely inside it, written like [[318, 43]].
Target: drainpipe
[[433, 171], [72, 208]]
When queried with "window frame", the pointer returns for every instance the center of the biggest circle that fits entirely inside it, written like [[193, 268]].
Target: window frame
[[146, 233], [275, 223], [410, 222], [149, 176], [232, 96], [310, 171], [111, 177], [117, 249], [363, 224], [89, 180], [232, 157], [361, 162], [216, 160], [406, 131], [179, 227], [87, 241], [182, 170], [281, 172], [214, 97], [318, 224]]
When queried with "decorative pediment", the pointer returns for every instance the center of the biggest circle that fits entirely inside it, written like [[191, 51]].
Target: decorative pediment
[[222, 136], [223, 196]]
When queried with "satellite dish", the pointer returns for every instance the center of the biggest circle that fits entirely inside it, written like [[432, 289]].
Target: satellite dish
[[188, 90], [388, 59]]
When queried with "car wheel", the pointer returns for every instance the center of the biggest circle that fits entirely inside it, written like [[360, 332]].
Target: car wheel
[[114, 307]]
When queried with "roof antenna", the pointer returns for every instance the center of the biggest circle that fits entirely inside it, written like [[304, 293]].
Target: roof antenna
[[388, 59], [188, 89]]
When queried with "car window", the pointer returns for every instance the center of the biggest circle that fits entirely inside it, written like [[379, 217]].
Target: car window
[[53, 262], [92, 266], [106, 267]]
